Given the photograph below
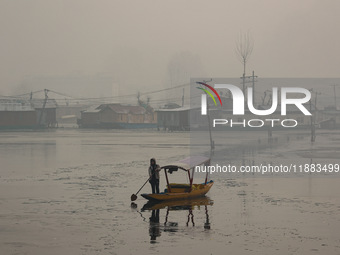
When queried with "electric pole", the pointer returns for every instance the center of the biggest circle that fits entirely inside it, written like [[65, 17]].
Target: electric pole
[[316, 98], [253, 87], [183, 98], [252, 80], [212, 143], [334, 92], [334, 96], [312, 120], [43, 107]]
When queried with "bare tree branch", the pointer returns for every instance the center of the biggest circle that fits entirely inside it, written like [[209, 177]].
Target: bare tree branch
[[244, 48]]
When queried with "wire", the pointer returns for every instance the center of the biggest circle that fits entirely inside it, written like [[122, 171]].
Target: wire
[[61, 94], [103, 98], [18, 96]]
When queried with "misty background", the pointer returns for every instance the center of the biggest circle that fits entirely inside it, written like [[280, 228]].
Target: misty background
[[114, 48]]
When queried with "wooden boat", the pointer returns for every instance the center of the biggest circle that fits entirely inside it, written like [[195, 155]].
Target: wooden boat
[[175, 205], [177, 191]]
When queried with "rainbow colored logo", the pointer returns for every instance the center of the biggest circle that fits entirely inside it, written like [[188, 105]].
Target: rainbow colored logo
[[209, 93]]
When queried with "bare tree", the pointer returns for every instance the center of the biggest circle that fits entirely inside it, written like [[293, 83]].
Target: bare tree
[[244, 48]]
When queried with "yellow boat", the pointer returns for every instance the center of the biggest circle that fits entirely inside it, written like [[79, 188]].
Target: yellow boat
[[177, 191]]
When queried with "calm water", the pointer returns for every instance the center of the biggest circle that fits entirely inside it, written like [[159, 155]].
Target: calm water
[[68, 192]]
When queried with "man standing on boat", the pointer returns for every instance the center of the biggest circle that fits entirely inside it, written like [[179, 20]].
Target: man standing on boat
[[154, 176]]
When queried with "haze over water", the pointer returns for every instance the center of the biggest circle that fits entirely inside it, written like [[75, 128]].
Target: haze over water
[[68, 191]]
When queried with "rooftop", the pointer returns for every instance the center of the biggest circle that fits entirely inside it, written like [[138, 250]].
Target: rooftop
[[39, 103], [118, 108], [16, 105]]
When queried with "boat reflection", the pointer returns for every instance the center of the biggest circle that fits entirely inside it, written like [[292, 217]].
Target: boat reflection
[[189, 206]]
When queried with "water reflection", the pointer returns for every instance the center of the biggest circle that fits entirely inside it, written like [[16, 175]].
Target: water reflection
[[154, 229], [157, 225]]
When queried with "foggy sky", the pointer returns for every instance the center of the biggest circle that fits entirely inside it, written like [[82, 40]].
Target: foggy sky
[[134, 40]]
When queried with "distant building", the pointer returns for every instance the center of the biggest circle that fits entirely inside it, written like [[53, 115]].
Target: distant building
[[174, 118], [330, 118], [118, 116], [46, 114], [328, 124], [17, 114], [171, 106], [27, 114], [68, 114]]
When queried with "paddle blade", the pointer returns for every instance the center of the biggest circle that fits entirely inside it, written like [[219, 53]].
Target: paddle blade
[[133, 197]]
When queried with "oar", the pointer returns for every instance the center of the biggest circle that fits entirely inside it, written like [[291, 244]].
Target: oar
[[134, 196]]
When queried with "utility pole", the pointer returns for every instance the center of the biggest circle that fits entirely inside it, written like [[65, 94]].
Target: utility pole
[[212, 143], [316, 98], [315, 112], [334, 92], [183, 98], [252, 80], [43, 107], [312, 125], [334, 96], [253, 87], [244, 80], [264, 97]]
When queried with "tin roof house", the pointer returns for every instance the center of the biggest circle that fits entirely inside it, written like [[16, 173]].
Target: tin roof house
[[176, 119], [17, 114], [46, 112], [118, 116], [330, 118]]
